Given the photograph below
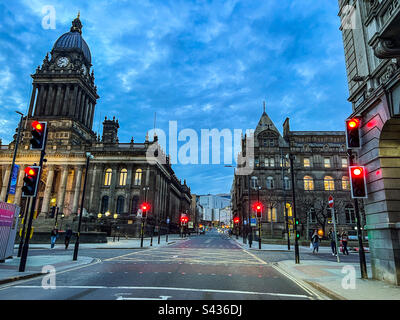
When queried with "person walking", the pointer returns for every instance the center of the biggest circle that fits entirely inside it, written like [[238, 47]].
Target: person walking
[[315, 241], [53, 237], [333, 239], [68, 235], [345, 238]]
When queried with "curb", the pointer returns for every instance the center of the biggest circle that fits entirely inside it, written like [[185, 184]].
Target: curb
[[18, 278], [325, 291]]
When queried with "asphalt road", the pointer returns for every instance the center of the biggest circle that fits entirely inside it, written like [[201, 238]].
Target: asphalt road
[[204, 267]]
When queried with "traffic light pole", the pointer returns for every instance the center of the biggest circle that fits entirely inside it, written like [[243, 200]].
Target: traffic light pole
[[296, 242], [25, 248], [284, 203], [361, 253], [21, 242]]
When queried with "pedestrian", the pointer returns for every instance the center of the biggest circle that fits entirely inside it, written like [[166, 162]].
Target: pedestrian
[[53, 237], [250, 235], [315, 241], [333, 239], [345, 238], [68, 235]]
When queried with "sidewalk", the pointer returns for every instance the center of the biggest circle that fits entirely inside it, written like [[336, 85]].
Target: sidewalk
[[34, 265], [330, 278]]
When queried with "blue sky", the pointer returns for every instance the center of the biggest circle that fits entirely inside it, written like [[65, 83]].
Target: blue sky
[[204, 64]]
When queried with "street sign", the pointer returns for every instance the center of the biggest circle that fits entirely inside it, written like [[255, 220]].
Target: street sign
[[330, 201], [14, 178], [253, 222]]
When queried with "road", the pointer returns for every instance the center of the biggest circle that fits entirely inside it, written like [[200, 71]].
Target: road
[[202, 267]]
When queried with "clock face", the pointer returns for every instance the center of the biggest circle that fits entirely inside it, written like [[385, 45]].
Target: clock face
[[62, 62]]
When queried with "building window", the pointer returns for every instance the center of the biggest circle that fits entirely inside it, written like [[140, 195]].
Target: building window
[[104, 204], [312, 216], [306, 162], [286, 183], [107, 179], [350, 214], [122, 177], [272, 214], [271, 142], [135, 202], [288, 209], [327, 162], [270, 183], [271, 162], [266, 162], [344, 163], [265, 142], [308, 183], [120, 204], [345, 183], [138, 177], [329, 183], [254, 182], [257, 162]]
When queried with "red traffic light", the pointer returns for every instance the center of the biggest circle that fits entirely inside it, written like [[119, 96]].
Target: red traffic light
[[145, 207], [30, 171], [358, 182], [353, 123], [236, 220], [37, 126], [357, 171], [184, 219], [257, 206]]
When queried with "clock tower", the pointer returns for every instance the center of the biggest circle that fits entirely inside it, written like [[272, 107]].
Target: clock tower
[[64, 93]]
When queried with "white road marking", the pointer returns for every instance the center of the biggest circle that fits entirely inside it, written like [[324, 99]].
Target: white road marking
[[174, 289]]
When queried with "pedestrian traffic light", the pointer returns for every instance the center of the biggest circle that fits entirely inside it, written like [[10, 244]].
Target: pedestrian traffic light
[[38, 135], [144, 207], [184, 219], [358, 182], [296, 222], [353, 133], [257, 207], [236, 220], [31, 180]]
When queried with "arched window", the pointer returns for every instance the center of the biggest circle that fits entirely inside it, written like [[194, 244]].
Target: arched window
[[349, 213], [308, 183], [120, 204], [329, 183], [272, 214], [104, 204], [254, 182], [107, 179], [286, 183], [122, 177], [138, 177], [345, 183], [270, 183]]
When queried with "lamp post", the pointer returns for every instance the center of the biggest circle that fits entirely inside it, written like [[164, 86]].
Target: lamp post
[[15, 155], [88, 157], [284, 201]]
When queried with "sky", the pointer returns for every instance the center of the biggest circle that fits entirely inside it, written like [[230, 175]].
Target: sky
[[202, 64]]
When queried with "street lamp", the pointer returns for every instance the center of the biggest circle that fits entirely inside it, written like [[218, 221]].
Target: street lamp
[[88, 157], [15, 155]]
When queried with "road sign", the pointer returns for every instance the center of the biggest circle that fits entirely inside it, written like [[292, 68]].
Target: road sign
[[330, 201], [253, 222], [14, 178]]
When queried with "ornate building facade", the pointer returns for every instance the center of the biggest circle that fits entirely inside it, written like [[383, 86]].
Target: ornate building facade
[[320, 169], [121, 175], [370, 31]]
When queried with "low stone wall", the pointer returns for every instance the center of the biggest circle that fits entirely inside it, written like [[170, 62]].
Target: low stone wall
[[85, 237]]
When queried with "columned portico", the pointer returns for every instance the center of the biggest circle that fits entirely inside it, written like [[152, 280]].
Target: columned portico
[[62, 188], [5, 183], [47, 191], [78, 180]]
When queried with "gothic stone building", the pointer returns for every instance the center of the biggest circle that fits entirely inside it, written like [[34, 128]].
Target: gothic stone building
[[320, 168], [370, 31], [121, 175]]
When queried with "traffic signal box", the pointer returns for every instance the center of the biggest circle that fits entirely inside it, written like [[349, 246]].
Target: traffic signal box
[[39, 130], [31, 180], [258, 207], [144, 207], [236, 220], [353, 133], [358, 182], [296, 223], [184, 219]]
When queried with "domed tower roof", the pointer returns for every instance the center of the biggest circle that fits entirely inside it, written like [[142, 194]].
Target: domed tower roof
[[73, 41]]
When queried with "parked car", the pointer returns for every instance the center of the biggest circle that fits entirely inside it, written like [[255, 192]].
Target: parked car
[[353, 235]]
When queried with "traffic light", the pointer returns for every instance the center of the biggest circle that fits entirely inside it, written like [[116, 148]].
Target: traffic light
[[353, 133], [53, 212], [144, 207], [296, 222], [38, 135], [184, 219], [257, 207], [31, 180], [358, 182], [236, 220]]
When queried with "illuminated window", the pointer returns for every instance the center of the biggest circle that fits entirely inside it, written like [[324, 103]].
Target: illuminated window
[[327, 162], [345, 183], [138, 177], [306, 162], [308, 183], [107, 179], [272, 162], [344, 163], [122, 177], [329, 183], [273, 217]]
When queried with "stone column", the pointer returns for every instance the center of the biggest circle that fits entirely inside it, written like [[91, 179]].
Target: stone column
[[38, 100], [61, 190], [49, 103], [92, 186], [58, 102], [20, 183], [77, 190], [34, 90], [92, 116], [65, 103], [47, 191], [5, 183], [78, 103], [74, 102]]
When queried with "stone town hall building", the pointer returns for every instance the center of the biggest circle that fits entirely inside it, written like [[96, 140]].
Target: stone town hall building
[[120, 176]]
